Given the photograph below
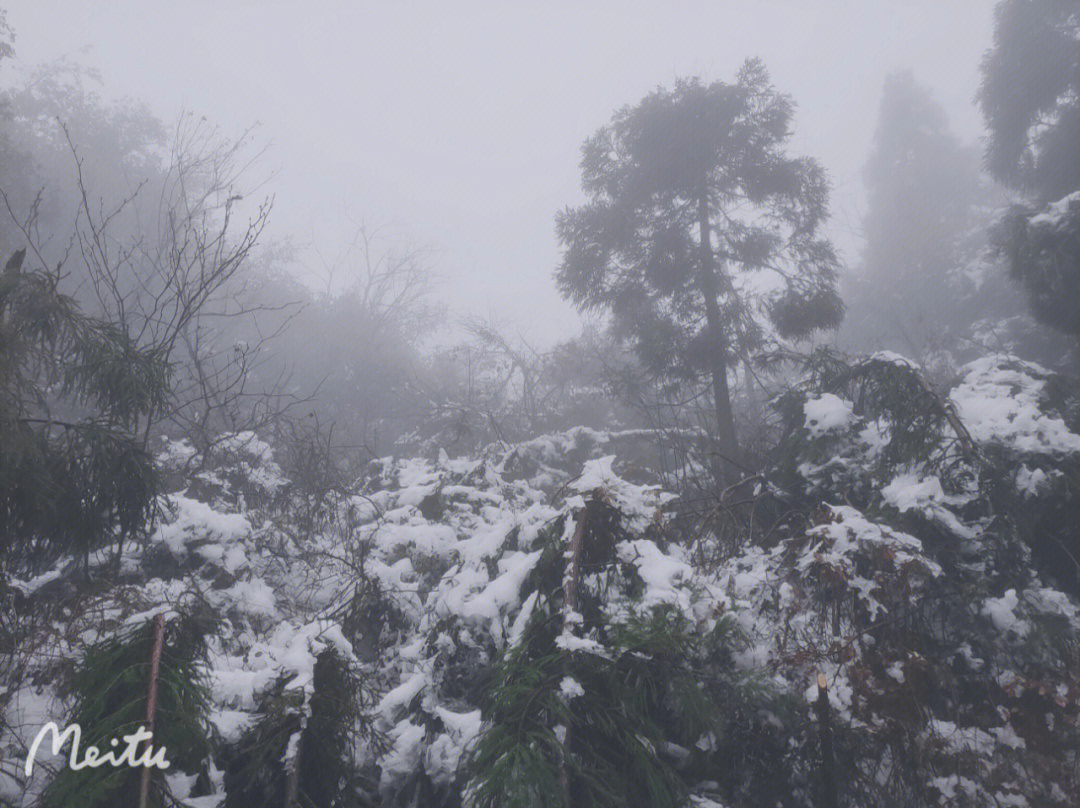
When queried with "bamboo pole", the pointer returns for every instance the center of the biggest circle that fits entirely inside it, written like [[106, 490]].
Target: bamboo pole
[[292, 782], [828, 761], [151, 701]]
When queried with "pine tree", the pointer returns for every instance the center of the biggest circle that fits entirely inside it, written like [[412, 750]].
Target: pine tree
[[111, 689], [700, 231], [924, 227], [74, 475], [1030, 97]]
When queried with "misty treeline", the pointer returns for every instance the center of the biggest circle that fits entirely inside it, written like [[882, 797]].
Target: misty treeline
[[777, 526], [158, 228]]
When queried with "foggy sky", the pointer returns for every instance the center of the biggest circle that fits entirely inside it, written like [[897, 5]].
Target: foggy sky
[[461, 123]]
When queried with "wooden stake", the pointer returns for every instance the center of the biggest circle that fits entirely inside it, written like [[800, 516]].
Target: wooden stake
[[829, 797], [151, 701]]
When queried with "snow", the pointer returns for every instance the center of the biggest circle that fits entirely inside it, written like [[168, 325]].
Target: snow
[[406, 740], [232, 724], [1050, 601], [963, 739], [999, 402], [825, 414], [912, 491], [1001, 612], [851, 532], [570, 688], [569, 642], [176, 452], [194, 520], [394, 702], [253, 597], [442, 758], [1031, 482], [908, 491], [457, 589], [1056, 212], [517, 629], [639, 505], [892, 358], [949, 784], [34, 584], [666, 578]]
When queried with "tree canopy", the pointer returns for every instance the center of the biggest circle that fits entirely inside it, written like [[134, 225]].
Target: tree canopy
[[73, 472], [701, 235], [1030, 97]]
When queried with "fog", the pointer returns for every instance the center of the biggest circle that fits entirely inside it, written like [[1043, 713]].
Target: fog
[[461, 124], [540, 404]]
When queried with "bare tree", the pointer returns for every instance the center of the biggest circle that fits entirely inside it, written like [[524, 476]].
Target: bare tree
[[171, 263]]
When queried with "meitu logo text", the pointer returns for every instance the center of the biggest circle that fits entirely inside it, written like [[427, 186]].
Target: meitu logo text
[[93, 757]]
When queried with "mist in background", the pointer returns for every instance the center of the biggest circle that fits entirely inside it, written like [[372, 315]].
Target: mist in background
[[460, 125]]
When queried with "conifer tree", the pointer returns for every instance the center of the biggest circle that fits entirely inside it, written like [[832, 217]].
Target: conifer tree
[[73, 473], [1030, 97], [111, 688], [701, 232], [923, 229]]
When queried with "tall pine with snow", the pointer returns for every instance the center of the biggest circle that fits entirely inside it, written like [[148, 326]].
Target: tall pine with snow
[[1030, 97], [701, 235]]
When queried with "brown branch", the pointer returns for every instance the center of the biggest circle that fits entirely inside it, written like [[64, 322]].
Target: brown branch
[[151, 702]]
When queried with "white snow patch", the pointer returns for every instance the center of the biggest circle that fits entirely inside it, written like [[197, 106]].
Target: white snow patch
[[998, 402], [1001, 613], [570, 688], [827, 413]]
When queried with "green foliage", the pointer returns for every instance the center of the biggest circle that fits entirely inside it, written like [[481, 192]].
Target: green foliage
[[327, 720], [700, 230], [1045, 260], [627, 738], [73, 389], [635, 704], [1029, 97], [1029, 77], [110, 688], [917, 424]]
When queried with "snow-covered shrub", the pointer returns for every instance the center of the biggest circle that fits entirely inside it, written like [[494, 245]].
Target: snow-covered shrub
[[301, 748], [433, 622], [911, 586], [238, 471]]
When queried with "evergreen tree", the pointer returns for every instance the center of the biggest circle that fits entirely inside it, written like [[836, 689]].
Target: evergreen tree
[[1030, 97], [923, 186], [299, 753], [111, 692], [73, 473], [603, 698], [700, 231]]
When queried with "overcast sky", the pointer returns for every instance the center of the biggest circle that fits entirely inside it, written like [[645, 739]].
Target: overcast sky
[[462, 122]]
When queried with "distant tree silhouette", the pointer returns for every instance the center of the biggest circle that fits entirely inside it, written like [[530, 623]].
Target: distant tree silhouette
[[701, 235], [1030, 97]]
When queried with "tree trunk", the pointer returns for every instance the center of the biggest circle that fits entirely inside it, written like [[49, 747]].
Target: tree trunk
[[725, 459]]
